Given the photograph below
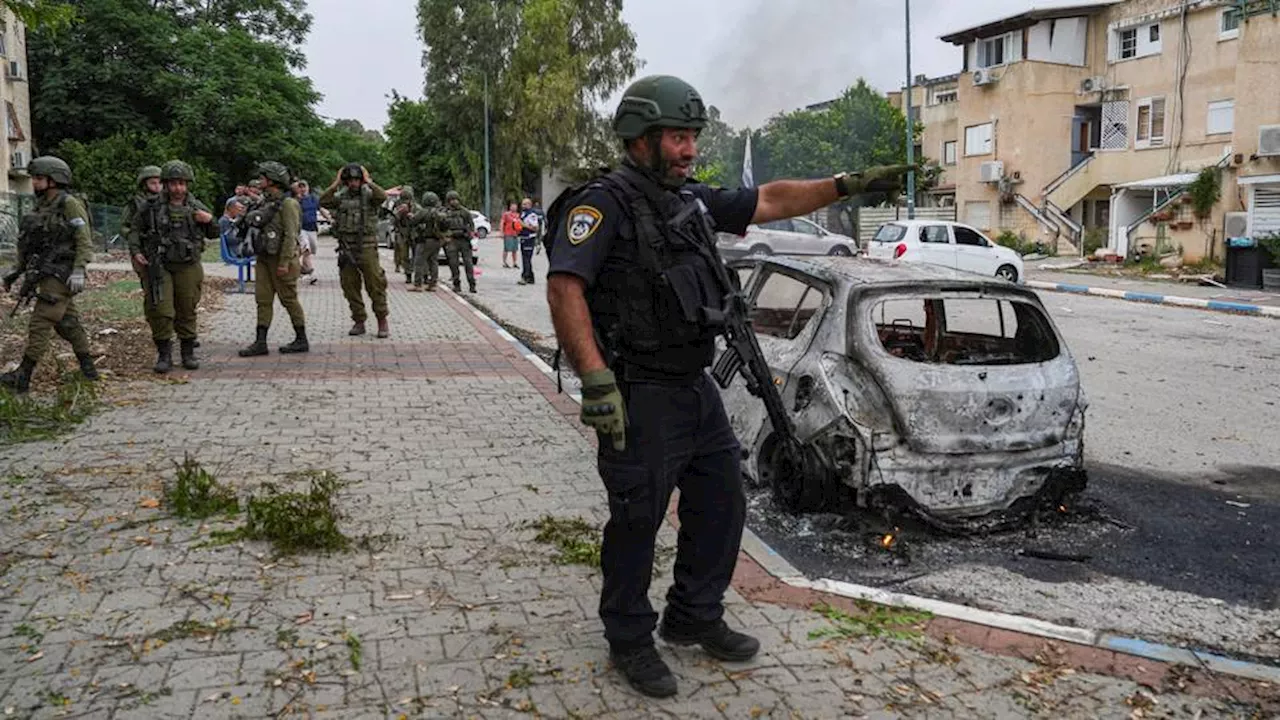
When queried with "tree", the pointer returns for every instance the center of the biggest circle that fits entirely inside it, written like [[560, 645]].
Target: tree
[[43, 14], [720, 152]]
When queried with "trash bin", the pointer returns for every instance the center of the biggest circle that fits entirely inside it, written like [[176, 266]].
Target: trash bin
[[1245, 261]]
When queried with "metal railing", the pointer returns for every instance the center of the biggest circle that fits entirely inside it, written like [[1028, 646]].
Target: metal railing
[[1067, 175], [105, 220]]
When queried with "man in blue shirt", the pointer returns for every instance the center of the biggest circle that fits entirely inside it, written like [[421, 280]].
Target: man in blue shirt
[[308, 241], [530, 227]]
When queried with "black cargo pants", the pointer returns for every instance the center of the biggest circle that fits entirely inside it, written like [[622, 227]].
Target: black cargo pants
[[678, 436]]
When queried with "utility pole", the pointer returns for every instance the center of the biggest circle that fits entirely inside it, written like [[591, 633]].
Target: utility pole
[[488, 206], [911, 128]]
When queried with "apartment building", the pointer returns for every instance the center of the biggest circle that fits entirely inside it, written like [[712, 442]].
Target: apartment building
[[934, 106], [14, 92], [1094, 119]]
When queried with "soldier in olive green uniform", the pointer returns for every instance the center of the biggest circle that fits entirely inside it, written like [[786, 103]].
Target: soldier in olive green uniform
[[54, 246], [172, 232], [458, 227], [429, 238], [279, 222], [147, 196], [355, 208], [404, 234]]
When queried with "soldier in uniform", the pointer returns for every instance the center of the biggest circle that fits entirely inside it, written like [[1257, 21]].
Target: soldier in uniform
[[404, 236], [426, 268], [279, 221], [172, 231], [458, 228], [354, 200], [54, 247], [634, 299], [148, 189]]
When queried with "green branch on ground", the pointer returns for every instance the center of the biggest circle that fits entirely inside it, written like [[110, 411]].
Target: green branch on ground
[[872, 621], [24, 418], [196, 493], [576, 541], [298, 521]]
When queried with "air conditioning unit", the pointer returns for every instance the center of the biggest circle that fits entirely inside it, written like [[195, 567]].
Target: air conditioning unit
[[15, 70], [18, 160], [991, 171], [1235, 224], [984, 76], [1094, 84], [1269, 140]]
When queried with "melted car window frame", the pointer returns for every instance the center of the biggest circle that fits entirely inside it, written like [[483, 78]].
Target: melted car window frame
[[1026, 335]]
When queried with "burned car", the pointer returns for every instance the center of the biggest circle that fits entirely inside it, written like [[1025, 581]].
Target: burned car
[[911, 387]]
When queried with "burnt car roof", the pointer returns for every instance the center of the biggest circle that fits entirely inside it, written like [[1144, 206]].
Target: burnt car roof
[[866, 272]]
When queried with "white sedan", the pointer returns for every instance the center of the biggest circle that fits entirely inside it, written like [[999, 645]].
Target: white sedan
[[789, 236], [948, 244], [481, 223]]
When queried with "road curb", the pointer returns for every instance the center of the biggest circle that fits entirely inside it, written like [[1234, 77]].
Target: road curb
[[1156, 299], [783, 571]]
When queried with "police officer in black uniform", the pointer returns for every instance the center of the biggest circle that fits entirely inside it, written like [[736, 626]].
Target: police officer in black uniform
[[633, 298]]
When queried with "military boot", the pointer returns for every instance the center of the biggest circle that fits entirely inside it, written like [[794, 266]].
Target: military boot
[[383, 330], [86, 366], [19, 381], [457, 286], [357, 328], [164, 356], [472, 288], [259, 346], [188, 350], [299, 344]]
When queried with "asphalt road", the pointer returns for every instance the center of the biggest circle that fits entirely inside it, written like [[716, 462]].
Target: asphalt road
[[1176, 538]]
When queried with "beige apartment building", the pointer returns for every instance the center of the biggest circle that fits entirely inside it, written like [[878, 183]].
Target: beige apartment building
[[1093, 119], [14, 91], [934, 106]]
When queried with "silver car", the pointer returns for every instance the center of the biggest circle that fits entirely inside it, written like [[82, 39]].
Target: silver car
[[921, 389], [789, 236]]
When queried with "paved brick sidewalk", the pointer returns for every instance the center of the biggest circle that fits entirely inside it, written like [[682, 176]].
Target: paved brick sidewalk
[[451, 443]]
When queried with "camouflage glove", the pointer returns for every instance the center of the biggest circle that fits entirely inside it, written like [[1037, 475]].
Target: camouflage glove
[[602, 407], [75, 283], [880, 178]]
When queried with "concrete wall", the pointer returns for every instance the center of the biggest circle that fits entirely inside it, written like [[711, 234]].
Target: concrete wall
[[1258, 70]]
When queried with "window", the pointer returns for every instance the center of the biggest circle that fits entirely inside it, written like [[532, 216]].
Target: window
[[1229, 23], [1128, 43], [12, 125], [784, 225], [997, 50], [1150, 129], [1134, 42], [967, 236], [744, 273], [803, 226], [977, 140], [889, 232], [1222, 117], [964, 331], [4, 50], [1153, 33], [1115, 125], [943, 95], [949, 152], [784, 306], [977, 213], [935, 234]]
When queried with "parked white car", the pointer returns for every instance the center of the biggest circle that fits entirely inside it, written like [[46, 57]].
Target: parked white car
[[483, 226], [949, 244], [789, 236]]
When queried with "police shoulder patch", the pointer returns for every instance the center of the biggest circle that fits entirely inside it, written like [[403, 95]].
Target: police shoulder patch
[[77, 222], [584, 220]]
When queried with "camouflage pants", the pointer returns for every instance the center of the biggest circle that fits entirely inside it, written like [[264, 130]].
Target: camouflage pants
[[180, 287], [460, 249], [402, 254], [366, 271], [55, 312], [269, 286], [426, 263]]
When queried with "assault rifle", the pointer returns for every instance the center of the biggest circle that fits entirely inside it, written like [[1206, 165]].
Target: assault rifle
[[151, 246]]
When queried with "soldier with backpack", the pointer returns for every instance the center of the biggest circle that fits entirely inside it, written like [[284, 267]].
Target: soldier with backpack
[[354, 200], [278, 220]]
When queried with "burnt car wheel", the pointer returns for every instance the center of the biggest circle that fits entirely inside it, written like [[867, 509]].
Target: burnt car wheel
[[795, 475]]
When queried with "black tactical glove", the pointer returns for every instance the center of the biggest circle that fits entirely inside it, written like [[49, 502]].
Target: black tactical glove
[[602, 407], [880, 178]]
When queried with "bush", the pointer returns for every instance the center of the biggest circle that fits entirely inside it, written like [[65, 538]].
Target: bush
[[1094, 240]]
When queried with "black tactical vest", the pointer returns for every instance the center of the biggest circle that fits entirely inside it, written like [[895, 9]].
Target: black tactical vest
[[48, 240], [655, 299]]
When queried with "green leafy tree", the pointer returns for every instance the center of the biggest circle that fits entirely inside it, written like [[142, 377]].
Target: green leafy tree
[[720, 152], [43, 14]]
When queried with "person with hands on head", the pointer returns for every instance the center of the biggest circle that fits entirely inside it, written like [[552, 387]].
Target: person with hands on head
[[354, 200], [279, 222], [635, 303], [54, 247]]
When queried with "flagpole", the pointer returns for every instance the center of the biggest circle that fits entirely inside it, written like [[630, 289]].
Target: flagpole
[[911, 129]]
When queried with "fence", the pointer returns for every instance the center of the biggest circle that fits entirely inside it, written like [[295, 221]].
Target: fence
[[870, 219], [105, 220]]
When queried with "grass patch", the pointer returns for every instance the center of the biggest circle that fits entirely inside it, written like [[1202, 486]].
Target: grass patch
[[26, 419], [196, 494], [355, 650], [873, 621], [212, 252], [576, 541], [298, 521], [114, 302], [519, 678]]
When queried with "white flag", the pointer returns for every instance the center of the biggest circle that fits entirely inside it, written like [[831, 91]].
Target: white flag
[[748, 178]]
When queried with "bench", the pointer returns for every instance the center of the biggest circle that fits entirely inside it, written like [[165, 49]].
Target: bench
[[244, 265]]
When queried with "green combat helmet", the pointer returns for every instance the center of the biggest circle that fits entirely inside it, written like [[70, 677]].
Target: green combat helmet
[[406, 194], [658, 101], [56, 169], [275, 172], [430, 199], [352, 171], [177, 170], [451, 196], [147, 172]]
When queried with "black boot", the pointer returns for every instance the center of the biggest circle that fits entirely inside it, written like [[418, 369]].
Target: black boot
[[715, 638], [164, 356], [645, 670], [299, 344], [188, 350], [86, 366], [259, 346], [19, 381]]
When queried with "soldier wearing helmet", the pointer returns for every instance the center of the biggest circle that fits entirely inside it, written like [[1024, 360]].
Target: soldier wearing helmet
[[171, 232], [354, 200], [54, 246], [634, 299], [401, 217], [278, 220], [146, 199], [458, 229], [430, 238]]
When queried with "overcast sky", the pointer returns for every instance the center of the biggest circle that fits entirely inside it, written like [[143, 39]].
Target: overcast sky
[[750, 58]]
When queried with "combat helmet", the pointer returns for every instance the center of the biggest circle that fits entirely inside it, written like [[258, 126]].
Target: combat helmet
[[176, 170], [406, 194], [658, 101], [147, 172], [56, 169], [452, 195], [274, 171], [352, 171], [430, 199]]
